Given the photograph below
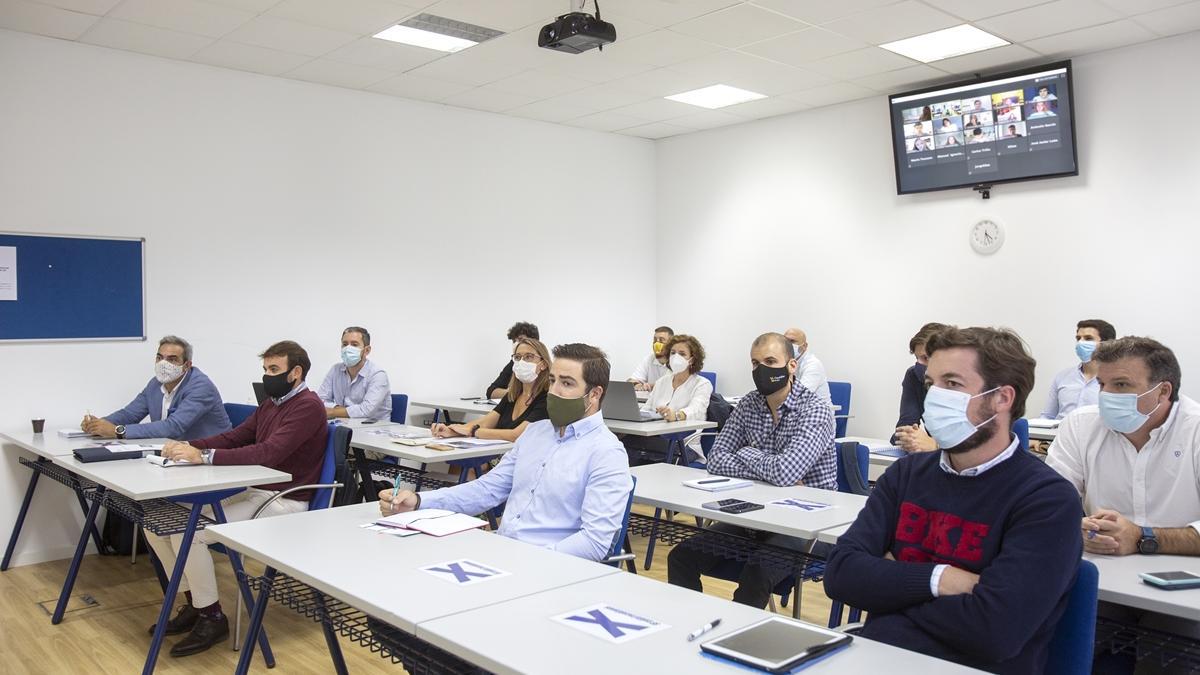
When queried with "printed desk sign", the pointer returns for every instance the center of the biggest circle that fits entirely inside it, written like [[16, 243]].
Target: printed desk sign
[[802, 504], [464, 572], [609, 623]]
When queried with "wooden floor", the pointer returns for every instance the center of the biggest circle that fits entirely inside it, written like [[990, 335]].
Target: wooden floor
[[111, 637]]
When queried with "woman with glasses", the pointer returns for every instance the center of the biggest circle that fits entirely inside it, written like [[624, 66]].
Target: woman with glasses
[[523, 402]]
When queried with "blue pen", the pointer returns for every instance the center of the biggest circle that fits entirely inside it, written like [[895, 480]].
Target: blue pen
[[396, 489]]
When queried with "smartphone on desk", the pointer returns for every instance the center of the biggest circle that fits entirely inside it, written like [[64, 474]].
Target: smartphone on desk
[[732, 506], [1171, 581]]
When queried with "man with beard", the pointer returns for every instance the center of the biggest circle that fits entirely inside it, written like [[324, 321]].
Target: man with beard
[[967, 554]]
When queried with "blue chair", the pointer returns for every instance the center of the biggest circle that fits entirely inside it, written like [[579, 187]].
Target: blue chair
[[1074, 640], [839, 395], [399, 408], [239, 412], [617, 554], [1021, 429], [710, 376]]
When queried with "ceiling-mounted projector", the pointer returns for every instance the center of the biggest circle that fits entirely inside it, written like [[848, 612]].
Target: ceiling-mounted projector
[[577, 31]]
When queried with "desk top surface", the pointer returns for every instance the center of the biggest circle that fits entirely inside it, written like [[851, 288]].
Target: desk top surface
[[1120, 583], [380, 439]]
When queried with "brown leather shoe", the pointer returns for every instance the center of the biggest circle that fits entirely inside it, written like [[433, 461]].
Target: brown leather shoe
[[207, 633], [184, 621]]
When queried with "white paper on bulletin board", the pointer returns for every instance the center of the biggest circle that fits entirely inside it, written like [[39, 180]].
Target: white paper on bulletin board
[[8, 272]]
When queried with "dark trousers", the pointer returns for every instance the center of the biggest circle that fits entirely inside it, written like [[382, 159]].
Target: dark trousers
[[685, 565]]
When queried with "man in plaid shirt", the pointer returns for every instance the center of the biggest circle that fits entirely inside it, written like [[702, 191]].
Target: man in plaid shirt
[[781, 433]]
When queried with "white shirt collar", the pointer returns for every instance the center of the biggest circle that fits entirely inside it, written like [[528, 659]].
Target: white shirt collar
[[976, 470]]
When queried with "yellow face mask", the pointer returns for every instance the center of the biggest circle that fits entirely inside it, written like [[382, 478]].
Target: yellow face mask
[[658, 348]]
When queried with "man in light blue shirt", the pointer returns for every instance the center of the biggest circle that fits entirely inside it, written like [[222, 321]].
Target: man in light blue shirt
[[1077, 386], [566, 480], [356, 387]]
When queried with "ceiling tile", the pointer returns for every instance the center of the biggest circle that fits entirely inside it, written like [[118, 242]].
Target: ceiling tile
[[324, 71], [489, 98], [467, 67], [423, 88], [1135, 7], [656, 130], [752, 73], [39, 19], [93, 7], [766, 107], [362, 17], [255, 6], [853, 65], [972, 10], [247, 57], [373, 53], [595, 66], [1010, 56], [807, 45], [519, 48], [1093, 39], [1055, 17], [607, 121], [665, 82], [503, 15], [665, 12], [185, 16], [551, 110], [627, 26], [912, 77], [657, 109], [540, 84], [708, 119], [821, 11], [1174, 20], [660, 48], [136, 37], [286, 35], [894, 22], [838, 92], [738, 25], [603, 97]]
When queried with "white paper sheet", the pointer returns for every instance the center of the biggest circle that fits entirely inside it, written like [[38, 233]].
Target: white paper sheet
[[8, 273]]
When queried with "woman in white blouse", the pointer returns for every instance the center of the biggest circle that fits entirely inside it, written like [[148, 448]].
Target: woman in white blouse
[[683, 393]]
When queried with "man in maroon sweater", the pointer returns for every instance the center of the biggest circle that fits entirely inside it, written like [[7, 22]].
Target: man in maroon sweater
[[287, 433]]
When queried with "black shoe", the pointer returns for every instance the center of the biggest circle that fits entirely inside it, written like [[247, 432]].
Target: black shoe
[[207, 633], [183, 622]]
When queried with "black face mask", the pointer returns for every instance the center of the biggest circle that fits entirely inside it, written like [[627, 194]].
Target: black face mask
[[276, 386], [770, 380]]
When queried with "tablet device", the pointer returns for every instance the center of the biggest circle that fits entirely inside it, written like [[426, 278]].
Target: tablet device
[[776, 645]]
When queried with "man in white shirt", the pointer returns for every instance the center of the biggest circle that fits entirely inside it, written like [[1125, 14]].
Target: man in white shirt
[[809, 369], [1077, 386], [356, 387], [1135, 458], [655, 364]]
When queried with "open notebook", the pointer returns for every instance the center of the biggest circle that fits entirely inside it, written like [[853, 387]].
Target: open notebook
[[437, 522]]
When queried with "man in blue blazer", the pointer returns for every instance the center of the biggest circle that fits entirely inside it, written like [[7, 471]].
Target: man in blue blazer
[[181, 401]]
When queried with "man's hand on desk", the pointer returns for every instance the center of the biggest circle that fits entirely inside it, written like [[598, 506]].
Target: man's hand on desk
[[98, 426], [403, 502], [914, 439], [1109, 533], [182, 452]]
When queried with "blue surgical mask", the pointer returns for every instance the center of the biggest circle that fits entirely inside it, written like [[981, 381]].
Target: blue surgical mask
[[796, 351], [1084, 350], [351, 356], [946, 416], [1120, 412]]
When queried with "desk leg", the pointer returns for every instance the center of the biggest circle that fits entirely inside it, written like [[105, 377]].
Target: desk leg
[[83, 506], [420, 477], [331, 641], [12, 539], [259, 609], [799, 579], [164, 613], [73, 570], [366, 484], [653, 538], [235, 561], [630, 564]]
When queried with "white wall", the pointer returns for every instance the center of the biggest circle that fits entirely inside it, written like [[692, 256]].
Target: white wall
[[796, 221], [278, 209]]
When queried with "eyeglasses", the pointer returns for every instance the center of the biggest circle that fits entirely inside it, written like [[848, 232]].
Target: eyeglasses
[[527, 358]]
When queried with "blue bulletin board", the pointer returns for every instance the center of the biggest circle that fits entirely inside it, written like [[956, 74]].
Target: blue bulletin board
[[72, 288]]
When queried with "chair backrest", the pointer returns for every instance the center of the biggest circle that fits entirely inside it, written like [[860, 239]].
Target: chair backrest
[[399, 407], [1021, 429], [710, 376], [239, 412], [853, 463], [1074, 638], [619, 540], [336, 447], [839, 395]]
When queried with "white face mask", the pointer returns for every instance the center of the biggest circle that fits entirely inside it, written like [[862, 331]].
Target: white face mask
[[525, 371], [165, 371], [678, 363]]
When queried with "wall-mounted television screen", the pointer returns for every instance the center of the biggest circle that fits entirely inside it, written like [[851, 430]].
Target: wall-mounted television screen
[[1002, 128]]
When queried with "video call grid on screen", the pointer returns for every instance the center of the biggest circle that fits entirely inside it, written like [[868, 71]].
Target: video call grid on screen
[[1011, 128]]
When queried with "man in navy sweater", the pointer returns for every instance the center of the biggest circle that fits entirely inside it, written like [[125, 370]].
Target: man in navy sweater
[[966, 554]]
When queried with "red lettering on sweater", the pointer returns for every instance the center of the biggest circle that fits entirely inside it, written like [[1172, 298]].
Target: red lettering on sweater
[[912, 524], [936, 536]]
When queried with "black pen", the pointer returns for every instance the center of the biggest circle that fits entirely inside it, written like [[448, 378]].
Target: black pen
[[703, 629]]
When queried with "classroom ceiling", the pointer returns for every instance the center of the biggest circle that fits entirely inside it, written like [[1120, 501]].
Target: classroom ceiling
[[801, 53]]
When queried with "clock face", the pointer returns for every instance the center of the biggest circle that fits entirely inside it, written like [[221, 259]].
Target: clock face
[[987, 236]]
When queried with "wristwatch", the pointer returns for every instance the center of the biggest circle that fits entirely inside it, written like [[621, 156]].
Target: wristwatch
[[474, 430], [120, 430], [1148, 544]]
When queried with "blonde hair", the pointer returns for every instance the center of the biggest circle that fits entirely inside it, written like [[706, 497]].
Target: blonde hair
[[542, 383]]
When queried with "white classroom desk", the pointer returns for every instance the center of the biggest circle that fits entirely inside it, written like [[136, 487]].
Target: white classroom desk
[[661, 486], [655, 428], [380, 574], [50, 444], [384, 444], [140, 480], [454, 404], [1036, 434], [832, 535], [519, 636], [1121, 585]]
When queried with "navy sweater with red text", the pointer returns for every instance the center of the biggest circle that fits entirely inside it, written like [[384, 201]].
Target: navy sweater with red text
[[1016, 525]]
